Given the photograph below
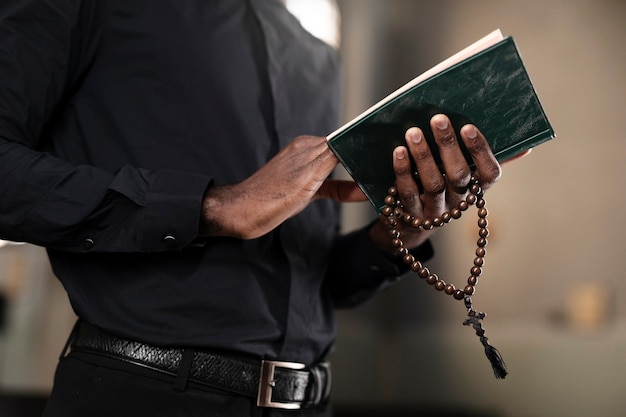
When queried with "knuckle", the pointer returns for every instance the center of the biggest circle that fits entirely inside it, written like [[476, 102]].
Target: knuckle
[[403, 170], [421, 154], [490, 176], [434, 186], [459, 178], [477, 145], [408, 198], [302, 142], [493, 173], [447, 139]]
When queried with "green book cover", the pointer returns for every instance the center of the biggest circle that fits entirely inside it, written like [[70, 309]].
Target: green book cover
[[489, 88]]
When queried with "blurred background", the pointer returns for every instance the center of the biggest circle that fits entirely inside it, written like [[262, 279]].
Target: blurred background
[[554, 285]]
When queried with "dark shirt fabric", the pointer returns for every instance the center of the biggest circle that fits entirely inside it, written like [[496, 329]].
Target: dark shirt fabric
[[115, 117]]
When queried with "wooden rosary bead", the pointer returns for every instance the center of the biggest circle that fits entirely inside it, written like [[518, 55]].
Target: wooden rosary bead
[[402, 251], [476, 271], [394, 212], [469, 290], [423, 272]]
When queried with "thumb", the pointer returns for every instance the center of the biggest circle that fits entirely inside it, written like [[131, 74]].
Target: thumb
[[343, 191]]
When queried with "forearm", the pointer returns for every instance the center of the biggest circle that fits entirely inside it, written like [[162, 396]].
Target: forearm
[[358, 268], [52, 203]]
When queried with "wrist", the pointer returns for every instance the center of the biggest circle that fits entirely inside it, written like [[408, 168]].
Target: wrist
[[212, 218], [379, 233]]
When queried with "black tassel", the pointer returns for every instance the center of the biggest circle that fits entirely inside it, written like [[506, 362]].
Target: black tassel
[[474, 320], [497, 363]]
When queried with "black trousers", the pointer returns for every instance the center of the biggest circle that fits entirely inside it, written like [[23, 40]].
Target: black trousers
[[88, 385]]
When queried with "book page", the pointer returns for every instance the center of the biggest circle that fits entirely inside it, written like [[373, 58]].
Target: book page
[[478, 46]]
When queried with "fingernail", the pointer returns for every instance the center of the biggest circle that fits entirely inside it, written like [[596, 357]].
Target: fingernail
[[414, 135], [471, 131], [441, 122], [399, 152]]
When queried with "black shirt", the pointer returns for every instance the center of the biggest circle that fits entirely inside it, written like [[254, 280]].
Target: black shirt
[[115, 117]]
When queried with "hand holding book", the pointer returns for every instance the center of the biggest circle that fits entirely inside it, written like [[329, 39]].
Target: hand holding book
[[486, 85], [428, 188]]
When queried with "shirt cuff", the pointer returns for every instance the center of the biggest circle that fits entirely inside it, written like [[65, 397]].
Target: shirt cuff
[[360, 269], [174, 207]]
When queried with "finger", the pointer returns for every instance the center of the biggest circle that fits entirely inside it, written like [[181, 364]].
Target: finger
[[408, 191], [455, 165], [309, 159], [317, 147], [433, 182], [343, 191], [487, 167], [518, 156]]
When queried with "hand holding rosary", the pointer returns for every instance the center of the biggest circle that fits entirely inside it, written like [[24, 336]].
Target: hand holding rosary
[[395, 213]]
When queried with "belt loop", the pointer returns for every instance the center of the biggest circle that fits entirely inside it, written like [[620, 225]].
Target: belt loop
[[319, 387], [70, 339], [325, 368], [184, 370]]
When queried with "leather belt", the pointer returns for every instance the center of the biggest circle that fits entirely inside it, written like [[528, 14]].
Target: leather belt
[[274, 384]]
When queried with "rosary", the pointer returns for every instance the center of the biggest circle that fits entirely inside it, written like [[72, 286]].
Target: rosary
[[394, 212]]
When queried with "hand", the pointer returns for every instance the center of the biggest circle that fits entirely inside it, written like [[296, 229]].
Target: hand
[[440, 192], [278, 190]]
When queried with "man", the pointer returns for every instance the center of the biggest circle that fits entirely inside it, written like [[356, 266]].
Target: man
[[149, 146]]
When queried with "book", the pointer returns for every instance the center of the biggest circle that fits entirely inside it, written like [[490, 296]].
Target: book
[[485, 84]]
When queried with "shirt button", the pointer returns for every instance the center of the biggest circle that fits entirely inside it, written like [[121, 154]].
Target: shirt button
[[88, 243], [169, 241]]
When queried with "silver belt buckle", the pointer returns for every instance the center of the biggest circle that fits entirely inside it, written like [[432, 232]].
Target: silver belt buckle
[[267, 383]]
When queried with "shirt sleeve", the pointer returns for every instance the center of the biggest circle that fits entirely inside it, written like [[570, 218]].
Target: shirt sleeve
[[45, 48], [358, 269]]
